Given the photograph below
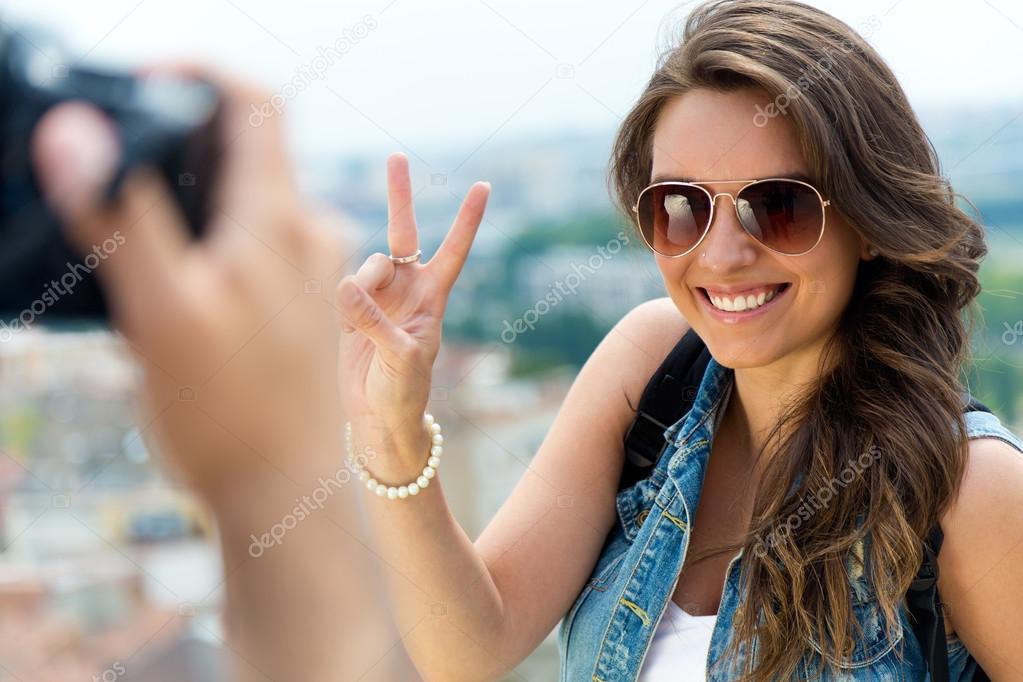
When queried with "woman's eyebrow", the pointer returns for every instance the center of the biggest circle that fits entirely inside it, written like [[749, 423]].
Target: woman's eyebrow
[[796, 175]]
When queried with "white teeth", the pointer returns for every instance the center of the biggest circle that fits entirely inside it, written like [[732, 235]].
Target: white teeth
[[741, 303]]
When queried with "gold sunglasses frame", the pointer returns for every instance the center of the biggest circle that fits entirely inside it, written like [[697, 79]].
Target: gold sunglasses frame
[[713, 202]]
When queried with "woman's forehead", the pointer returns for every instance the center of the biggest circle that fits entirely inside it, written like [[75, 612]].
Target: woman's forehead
[[710, 135]]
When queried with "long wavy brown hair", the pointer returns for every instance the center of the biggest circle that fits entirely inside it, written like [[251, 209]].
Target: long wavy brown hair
[[893, 387]]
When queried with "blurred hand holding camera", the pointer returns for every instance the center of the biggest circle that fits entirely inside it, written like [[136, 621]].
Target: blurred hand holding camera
[[237, 336], [231, 327]]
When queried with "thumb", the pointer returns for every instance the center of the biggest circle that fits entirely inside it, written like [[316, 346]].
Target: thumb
[[75, 151], [361, 313]]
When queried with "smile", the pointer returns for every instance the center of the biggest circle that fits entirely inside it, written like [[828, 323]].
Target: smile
[[744, 303]]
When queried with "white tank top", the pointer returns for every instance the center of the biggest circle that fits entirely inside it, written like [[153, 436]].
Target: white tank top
[[678, 650]]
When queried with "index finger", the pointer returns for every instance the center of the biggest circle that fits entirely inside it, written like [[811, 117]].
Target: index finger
[[402, 236]]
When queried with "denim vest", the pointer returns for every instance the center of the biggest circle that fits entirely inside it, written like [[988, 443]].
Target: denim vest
[[606, 633]]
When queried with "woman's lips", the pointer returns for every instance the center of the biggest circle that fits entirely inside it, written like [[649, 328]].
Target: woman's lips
[[734, 316]]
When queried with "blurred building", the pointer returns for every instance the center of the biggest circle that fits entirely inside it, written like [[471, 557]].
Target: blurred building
[[101, 556]]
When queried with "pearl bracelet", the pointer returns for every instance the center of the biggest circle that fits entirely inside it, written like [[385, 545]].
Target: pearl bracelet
[[413, 488]]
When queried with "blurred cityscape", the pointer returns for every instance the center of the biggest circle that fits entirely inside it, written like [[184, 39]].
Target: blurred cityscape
[[107, 569]]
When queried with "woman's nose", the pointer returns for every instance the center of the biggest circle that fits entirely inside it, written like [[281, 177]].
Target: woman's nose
[[726, 246]]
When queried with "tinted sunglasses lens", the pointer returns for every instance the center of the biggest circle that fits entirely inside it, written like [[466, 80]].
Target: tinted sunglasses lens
[[784, 216], [673, 217]]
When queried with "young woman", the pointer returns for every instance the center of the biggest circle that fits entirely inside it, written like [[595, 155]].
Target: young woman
[[796, 211]]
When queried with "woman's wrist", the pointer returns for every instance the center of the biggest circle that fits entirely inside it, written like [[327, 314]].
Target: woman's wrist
[[392, 456], [410, 488]]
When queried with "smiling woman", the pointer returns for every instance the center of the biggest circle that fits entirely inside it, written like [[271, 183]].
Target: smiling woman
[[831, 302], [829, 434]]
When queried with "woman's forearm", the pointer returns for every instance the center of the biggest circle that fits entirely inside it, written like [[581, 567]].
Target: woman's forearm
[[444, 600]]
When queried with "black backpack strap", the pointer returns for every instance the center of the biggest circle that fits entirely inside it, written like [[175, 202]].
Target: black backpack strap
[[924, 602], [974, 405], [667, 397], [924, 605]]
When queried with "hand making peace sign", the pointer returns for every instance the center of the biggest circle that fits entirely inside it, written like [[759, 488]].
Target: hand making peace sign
[[392, 316]]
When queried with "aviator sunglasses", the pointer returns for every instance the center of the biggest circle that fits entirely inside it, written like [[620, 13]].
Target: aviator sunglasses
[[783, 214]]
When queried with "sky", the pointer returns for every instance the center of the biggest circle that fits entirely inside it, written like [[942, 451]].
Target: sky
[[373, 76]]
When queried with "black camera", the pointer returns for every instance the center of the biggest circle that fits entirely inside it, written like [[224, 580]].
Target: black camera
[[171, 124]]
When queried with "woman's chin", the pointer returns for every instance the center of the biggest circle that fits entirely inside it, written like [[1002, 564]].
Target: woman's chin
[[742, 353]]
